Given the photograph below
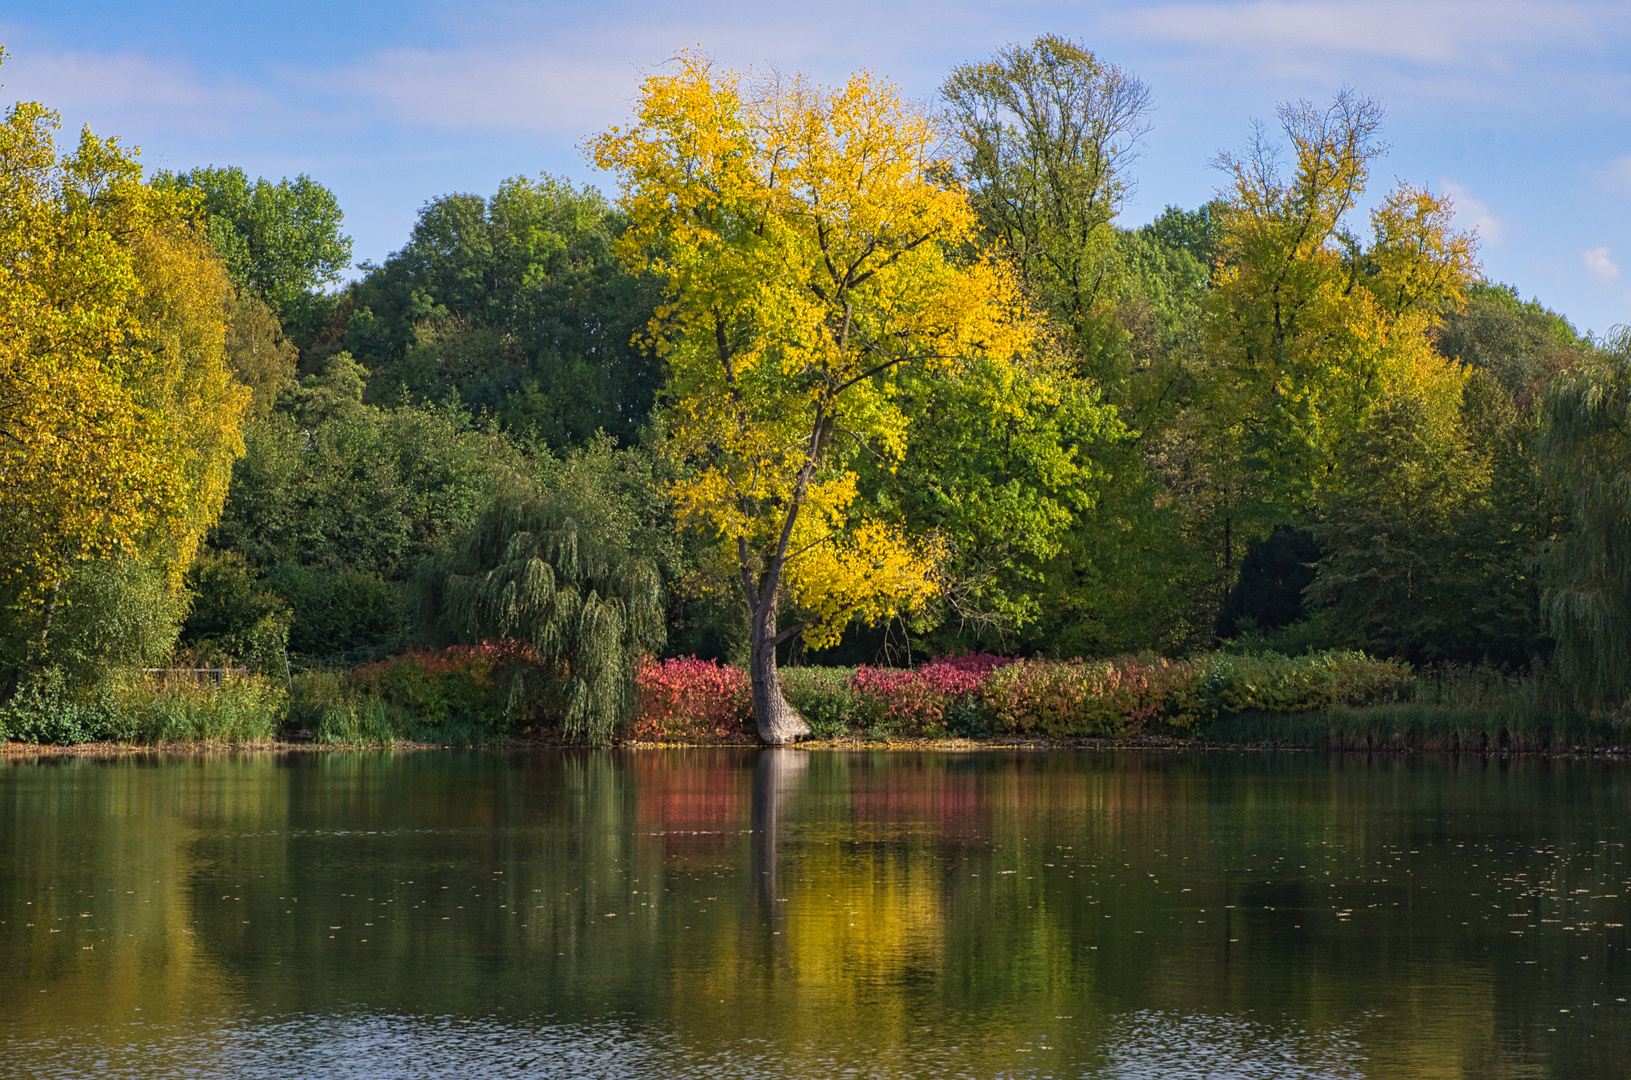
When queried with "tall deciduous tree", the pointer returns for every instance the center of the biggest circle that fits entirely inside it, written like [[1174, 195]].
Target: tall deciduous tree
[[808, 258], [1585, 446], [1310, 328], [515, 307], [1005, 459], [118, 416], [279, 241], [1047, 132]]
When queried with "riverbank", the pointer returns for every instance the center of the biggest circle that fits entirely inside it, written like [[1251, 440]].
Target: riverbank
[[1337, 701], [1395, 745]]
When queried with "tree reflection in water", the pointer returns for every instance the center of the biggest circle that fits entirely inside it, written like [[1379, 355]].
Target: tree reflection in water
[[778, 774], [791, 913]]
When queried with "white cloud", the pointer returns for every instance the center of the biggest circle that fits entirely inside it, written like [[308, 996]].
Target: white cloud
[[582, 79], [1478, 32], [1472, 214], [1617, 173], [127, 85], [520, 88], [1602, 267]]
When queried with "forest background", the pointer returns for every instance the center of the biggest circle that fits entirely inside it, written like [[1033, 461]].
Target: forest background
[[1257, 423]]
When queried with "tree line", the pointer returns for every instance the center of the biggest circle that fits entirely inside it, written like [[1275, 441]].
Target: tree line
[[834, 376]]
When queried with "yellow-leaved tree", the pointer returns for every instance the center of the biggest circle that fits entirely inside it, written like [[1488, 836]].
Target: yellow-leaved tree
[[810, 253], [118, 415], [1313, 330]]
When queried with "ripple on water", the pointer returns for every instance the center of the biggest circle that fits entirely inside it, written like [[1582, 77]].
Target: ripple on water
[[1153, 1045]]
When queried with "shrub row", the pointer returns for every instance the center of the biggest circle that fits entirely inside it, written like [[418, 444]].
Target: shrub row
[[485, 692], [500, 688], [984, 695], [142, 710]]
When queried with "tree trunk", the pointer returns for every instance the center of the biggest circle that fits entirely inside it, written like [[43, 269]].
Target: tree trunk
[[44, 641], [776, 775], [778, 723]]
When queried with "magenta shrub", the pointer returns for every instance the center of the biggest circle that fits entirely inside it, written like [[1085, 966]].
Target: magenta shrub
[[1062, 699], [701, 700], [914, 701]]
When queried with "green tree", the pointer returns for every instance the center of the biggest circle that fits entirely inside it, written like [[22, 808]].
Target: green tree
[[808, 261], [516, 308], [1046, 133], [119, 419], [1004, 462], [1429, 550], [1130, 575], [121, 611], [1585, 448], [1520, 342], [261, 357], [336, 503], [1166, 273], [1309, 328], [1392, 576], [234, 618], [279, 241], [574, 567], [1514, 349]]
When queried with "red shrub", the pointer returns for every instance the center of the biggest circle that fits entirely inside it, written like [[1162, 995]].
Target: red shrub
[[914, 702], [692, 699]]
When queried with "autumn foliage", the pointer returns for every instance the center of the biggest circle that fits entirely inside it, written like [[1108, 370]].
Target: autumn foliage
[[809, 259], [501, 687], [119, 417], [983, 694], [694, 700]]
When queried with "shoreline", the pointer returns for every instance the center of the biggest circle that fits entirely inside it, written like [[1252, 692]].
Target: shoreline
[[10, 751]]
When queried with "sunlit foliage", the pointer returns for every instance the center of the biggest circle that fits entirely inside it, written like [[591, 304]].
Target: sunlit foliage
[[1045, 136], [1311, 328], [118, 415], [808, 258]]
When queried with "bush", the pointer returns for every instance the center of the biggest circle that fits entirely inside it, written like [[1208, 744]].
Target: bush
[[1269, 682], [335, 613], [139, 709], [482, 691], [235, 619], [43, 711], [890, 701], [1041, 697], [114, 613], [896, 701], [823, 696], [980, 695], [692, 699], [1075, 698]]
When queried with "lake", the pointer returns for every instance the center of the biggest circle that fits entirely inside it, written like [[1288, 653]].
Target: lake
[[741, 913]]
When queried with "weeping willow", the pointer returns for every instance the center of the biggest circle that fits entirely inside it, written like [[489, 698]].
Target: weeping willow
[[1585, 447], [529, 572]]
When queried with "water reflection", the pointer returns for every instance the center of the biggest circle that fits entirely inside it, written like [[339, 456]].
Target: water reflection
[[1158, 1046], [783, 913], [777, 776]]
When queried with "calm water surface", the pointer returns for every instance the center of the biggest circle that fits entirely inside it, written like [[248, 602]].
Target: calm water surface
[[794, 914]]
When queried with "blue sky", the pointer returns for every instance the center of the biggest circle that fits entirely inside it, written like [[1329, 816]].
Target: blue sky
[[1521, 110]]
